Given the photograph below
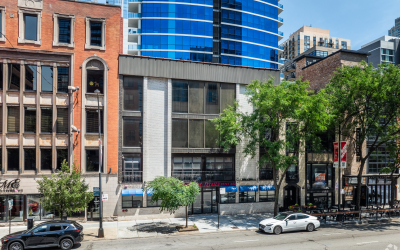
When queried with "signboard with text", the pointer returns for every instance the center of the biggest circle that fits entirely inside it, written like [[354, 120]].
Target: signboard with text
[[343, 154]]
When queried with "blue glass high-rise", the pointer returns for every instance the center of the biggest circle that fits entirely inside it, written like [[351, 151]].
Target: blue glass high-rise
[[236, 32]]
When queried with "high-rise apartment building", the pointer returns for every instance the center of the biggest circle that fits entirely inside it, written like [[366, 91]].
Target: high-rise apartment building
[[395, 30], [308, 37], [232, 32], [383, 50]]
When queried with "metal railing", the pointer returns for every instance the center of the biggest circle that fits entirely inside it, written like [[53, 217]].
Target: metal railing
[[280, 5], [280, 19], [199, 176], [132, 176], [280, 33], [132, 31], [134, 15], [134, 46]]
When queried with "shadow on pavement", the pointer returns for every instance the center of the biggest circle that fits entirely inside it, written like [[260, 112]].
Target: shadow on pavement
[[155, 227]]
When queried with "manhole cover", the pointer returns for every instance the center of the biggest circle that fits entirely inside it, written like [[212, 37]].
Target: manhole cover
[[235, 228]]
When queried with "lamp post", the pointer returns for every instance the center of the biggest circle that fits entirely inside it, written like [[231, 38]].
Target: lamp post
[[101, 231]]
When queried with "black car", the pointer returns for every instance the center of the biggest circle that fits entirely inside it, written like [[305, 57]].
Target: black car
[[63, 234]]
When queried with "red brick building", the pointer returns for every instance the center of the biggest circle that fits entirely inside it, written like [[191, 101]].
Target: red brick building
[[49, 49]]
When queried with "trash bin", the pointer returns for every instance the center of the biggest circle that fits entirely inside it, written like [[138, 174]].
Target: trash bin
[[29, 223]]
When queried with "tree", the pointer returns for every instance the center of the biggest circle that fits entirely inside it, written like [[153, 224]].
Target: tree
[[65, 192], [366, 99], [173, 193], [284, 117]]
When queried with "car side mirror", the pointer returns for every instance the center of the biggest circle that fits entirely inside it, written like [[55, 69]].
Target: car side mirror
[[32, 233]]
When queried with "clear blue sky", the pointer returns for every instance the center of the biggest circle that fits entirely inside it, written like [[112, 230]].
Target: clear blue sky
[[361, 21]]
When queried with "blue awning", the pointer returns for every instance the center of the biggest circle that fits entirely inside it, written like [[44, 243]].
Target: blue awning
[[230, 189], [150, 191], [267, 187], [131, 192], [248, 188]]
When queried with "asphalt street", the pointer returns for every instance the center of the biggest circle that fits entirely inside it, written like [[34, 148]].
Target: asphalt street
[[366, 237]]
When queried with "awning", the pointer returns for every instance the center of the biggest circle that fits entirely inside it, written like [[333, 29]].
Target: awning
[[230, 189], [131, 192], [248, 188], [267, 187], [150, 191]]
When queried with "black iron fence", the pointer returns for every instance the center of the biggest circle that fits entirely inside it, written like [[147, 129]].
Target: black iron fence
[[132, 176]]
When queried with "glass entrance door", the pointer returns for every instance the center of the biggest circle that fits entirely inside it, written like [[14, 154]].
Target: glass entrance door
[[205, 203], [93, 209]]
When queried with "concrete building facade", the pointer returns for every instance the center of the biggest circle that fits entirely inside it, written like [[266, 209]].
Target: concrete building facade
[[54, 55], [383, 50]]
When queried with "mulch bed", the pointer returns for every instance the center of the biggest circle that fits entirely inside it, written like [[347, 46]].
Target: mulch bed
[[190, 228]]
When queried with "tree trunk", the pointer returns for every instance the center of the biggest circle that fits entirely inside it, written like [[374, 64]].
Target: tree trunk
[[393, 190], [276, 203], [186, 216]]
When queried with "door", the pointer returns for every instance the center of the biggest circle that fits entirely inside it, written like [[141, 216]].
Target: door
[[54, 233], [291, 196], [207, 202], [94, 208], [197, 204], [290, 224], [38, 237], [302, 221]]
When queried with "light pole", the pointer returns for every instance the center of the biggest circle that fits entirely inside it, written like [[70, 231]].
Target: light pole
[[101, 231]]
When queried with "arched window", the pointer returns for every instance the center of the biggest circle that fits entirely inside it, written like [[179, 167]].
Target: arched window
[[95, 76]]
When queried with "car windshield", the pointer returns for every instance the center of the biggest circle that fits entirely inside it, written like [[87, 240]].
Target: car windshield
[[35, 227], [281, 216]]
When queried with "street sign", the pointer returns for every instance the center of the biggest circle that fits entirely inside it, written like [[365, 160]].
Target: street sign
[[342, 191], [343, 154], [105, 197], [336, 154], [222, 191], [10, 204], [96, 191]]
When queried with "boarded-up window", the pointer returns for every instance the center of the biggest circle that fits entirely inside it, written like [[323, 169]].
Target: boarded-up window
[[92, 121], [62, 120], [13, 119], [46, 120], [196, 97]]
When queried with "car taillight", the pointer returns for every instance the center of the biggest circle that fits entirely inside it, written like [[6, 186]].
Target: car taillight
[[77, 231]]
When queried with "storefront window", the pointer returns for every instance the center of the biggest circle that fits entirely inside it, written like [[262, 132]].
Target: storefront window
[[267, 196], [35, 210], [228, 198], [247, 197], [320, 176], [17, 211], [154, 204], [132, 201]]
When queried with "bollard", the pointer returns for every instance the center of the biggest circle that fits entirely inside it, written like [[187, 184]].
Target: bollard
[[29, 223]]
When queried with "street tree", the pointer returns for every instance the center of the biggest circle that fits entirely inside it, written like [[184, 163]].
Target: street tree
[[173, 193], [283, 118], [364, 102], [65, 191]]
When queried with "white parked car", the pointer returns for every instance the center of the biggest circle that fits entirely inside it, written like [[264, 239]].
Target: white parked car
[[286, 222]]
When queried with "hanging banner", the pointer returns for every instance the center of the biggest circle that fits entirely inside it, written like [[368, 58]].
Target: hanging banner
[[319, 179], [336, 154], [343, 154], [358, 138]]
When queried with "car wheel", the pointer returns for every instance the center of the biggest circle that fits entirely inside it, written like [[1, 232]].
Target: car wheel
[[277, 230], [310, 227], [66, 244], [16, 246]]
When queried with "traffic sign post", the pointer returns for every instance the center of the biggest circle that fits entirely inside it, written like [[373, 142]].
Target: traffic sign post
[[10, 206]]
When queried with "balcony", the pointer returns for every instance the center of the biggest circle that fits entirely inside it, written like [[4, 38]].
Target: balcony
[[134, 31], [280, 8], [280, 19], [280, 33], [204, 176], [137, 1], [132, 176], [134, 46], [134, 15], [279, 5], [281, 47]]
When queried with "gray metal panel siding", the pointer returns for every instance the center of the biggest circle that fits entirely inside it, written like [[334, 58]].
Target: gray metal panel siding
[[154, 67]]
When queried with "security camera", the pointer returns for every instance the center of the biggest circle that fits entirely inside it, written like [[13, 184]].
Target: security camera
[[74, 129], [73, 88]]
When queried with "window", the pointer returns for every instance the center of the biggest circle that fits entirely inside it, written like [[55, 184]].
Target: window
[[196, 97], [14, 74], [1, 72], [62, 154], [64, 30], [62, 121], [62, 79], [378, 159], [320, 176], [30, 119], [13, 119], [133, 89], [314, 41], [228, 198], [30, 77], [344, 45], [2, 23], [302, 216], [55, 227], [266, 172], [247, 197], [12, 159], [154, 204], [132, 201], [95, 80], [227, 95], [30, 158], [179, 97], [92, 121], [180, 133], [46, 120], [267, 196], [31, 27], [41, 229], [196, 133], [133, 132], [212, 98], [337, 44], [211, 135], [132, 162], [92, 160], [292, 173], [45, 159], [47, 79], [95, 34]]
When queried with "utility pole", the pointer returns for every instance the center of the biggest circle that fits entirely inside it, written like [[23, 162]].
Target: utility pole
[[340, 171], [101, 231]]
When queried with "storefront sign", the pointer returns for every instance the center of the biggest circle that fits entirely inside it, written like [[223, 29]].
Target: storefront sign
[[105, 197], [10, 186], [320, 179], [217, 184]]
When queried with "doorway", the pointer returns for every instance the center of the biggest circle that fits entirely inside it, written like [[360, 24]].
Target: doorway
[[292, 196], [205, 203], [93, 209]]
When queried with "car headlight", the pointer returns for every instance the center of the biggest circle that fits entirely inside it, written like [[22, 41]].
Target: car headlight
[[270, 225]]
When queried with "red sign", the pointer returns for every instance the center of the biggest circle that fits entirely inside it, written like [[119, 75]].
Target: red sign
[[343, 154], [343, 151], [336, 154], [217, 184]]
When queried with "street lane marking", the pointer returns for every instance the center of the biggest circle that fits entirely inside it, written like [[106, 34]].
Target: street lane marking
[[367, 242], [245, 240]]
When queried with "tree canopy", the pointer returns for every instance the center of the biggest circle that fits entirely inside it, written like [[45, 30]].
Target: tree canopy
[[65, 192]]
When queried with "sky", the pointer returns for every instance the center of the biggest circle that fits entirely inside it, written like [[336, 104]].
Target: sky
[[361, 21]]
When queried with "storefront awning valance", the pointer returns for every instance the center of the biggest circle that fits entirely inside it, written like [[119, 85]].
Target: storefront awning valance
[[150, 191], [230, 189], [131, 192], [267, 187], [248, 188]]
